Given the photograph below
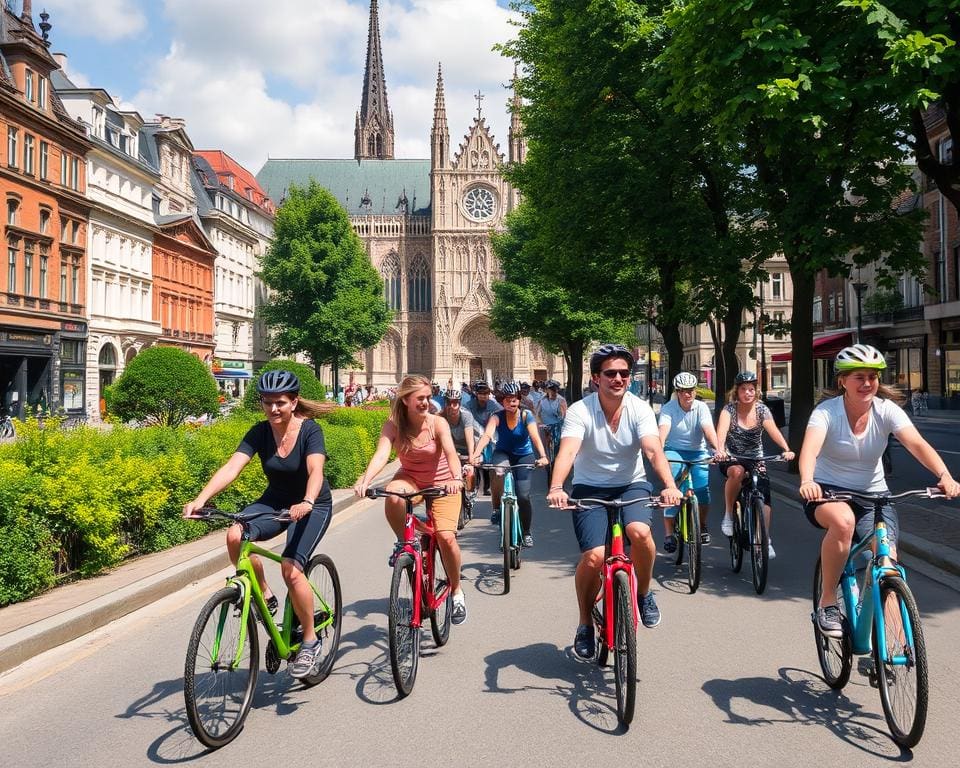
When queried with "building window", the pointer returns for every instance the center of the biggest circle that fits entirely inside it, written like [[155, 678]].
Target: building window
[[28, 153], [390, 271], [28, 269], [42, 92], [28, 85], [12, 146], [64, 158], [778, 377], [63, 280], [44, 160], [832, 309], [776, 285], [13, 249], [44, 221], [44, 261], [71, 385], [13, 209], [74, 173], [956, 273], [74, 231], [75, 282], [419, 297]]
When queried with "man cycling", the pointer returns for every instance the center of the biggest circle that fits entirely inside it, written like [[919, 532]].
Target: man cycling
[[605, 437], [461, 429], [482, 407]]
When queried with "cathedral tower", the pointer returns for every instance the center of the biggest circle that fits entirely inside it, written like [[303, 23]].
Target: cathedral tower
[[373, 134], [440, 134]]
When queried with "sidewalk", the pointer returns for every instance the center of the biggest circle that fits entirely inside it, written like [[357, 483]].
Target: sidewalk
[[63, 614]]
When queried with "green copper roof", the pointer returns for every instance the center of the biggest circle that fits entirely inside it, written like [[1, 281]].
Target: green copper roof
[[385, 183]]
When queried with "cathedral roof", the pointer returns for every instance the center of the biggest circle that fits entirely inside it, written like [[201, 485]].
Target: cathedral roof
[[384, 183]]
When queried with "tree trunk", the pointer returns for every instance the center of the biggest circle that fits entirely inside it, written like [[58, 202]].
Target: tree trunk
[[573, 354], [732, 328], [801, 329], [674, 344]]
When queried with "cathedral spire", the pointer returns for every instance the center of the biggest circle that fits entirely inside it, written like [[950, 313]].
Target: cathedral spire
[[440, 135], [373, 135], [518, 144]]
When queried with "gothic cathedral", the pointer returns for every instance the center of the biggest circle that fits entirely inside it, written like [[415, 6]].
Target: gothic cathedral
[[435, 258]]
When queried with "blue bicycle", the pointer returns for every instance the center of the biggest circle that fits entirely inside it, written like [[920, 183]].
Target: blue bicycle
[[893, 635], [511, 534]]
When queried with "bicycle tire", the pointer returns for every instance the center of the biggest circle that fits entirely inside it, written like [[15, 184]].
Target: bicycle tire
[[694, 545], [404, 637], [906, 722], [834, 654], [323, 577], [759, 546], [603, 651], [218, 699], [506, 510], [679, 531], [625, 649], [736, 543], [442, 615], [516, 538]]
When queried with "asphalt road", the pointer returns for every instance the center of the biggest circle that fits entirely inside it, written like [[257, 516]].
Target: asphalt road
[[728, 679]]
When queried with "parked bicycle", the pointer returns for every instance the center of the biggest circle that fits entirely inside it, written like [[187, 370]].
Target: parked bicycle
[[7, 430], [419, 587], [615, 613], [749, 523], [223, 655], [880, 617], [687, 528]]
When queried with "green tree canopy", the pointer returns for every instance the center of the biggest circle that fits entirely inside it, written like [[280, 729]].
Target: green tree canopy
[[310, 386], [164, 385], [326, 299]]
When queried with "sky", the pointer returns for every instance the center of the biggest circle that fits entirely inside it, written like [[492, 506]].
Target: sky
[[283, 78]]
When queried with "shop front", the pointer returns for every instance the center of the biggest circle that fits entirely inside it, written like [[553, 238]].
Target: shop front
[[232, 376], [26, 370], [907, 358], [73, 367]]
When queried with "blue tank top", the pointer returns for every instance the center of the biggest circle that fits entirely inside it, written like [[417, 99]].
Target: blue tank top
[[514, 442]]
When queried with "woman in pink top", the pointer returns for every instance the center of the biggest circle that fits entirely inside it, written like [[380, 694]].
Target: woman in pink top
[[427, 457]]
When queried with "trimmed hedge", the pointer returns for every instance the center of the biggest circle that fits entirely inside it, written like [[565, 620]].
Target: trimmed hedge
[[74, 502]]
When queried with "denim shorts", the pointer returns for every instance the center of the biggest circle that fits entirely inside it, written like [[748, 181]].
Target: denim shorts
[[590, 524], [699, 477]]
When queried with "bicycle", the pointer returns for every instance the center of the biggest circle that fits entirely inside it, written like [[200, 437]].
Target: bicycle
[[223, 655], [894, 635], [467, 499], [551, 445], [511, 533], [687, 526], [749, 524], [615, 613], [416, 588]]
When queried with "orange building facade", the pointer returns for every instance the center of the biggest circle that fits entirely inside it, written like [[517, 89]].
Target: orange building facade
[[43, 330]]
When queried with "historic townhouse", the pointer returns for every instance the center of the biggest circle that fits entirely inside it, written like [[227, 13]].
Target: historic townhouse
[[426, 225], [238, 218], [120, 183], [43, 329], [183, 256]]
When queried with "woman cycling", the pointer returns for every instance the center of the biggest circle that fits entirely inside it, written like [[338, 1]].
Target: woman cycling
[[740, 431], [686, 426], [842, 447], [515, 436], [292, 453], [550, 411], [428, 458]]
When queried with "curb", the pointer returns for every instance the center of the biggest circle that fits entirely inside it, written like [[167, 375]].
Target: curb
[[22, 644]]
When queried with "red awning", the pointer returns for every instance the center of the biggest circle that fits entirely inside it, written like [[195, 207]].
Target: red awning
[[824, 348]]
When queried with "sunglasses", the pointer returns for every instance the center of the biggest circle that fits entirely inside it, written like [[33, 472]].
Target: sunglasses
[[611, 373]]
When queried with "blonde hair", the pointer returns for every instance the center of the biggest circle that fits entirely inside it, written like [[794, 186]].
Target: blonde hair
[[732, 392], [309, 409], [399, 414]]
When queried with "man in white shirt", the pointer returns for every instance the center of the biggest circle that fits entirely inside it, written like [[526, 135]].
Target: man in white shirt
[[605, 437]]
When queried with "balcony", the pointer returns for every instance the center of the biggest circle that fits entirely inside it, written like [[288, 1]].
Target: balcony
[[902, 315]]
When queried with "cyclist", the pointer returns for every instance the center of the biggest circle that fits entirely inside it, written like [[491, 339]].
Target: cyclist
[[481, 407], [605, 438], [842, 448], [740, 429], [686, 426], [461, 430], [550, 412], [427, 457], [514, 435], [292, 453]]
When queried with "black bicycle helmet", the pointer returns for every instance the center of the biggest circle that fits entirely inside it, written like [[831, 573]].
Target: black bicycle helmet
[[552, 384], [278, 383], [745, 377], [509, 389], [607, 351], [480, 385]]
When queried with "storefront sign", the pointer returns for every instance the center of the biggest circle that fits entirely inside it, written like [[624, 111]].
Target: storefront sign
[[74, 327], [232, 364], [906, 342], [36, 339]]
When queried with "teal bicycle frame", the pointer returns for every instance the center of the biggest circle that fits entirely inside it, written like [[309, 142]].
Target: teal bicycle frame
[[511, 533]]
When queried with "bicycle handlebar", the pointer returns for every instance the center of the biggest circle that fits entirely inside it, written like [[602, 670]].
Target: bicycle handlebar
[[486, 465], [756, 459], [210, 513], [653, 501], [874, 498], [433, 492]]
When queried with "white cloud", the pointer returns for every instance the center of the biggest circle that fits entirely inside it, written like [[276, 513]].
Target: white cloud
[[284, 79], [105, 20]]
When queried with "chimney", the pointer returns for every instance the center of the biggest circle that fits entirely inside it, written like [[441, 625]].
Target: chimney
[[61, 59]]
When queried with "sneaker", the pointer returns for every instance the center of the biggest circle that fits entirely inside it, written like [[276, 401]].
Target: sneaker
[[307, 661], [527, 540], [397, 549], [649, 612], [459, 614], [495, 517], [704, 536], [726, 527], [670, 544], [771, 552], [830, 621], [584, 643]]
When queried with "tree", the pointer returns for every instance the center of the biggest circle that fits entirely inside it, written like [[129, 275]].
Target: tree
[[529, 301], [326, 299], [164, 385], [798, 89], [310, 386]]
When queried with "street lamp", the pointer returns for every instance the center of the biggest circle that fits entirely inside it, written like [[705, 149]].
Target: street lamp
[[858, 289], [649, 363]]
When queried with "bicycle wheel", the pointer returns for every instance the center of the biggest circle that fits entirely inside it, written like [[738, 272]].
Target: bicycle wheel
[[625, 648], [327, 610], [692, 512], [835, 654], [736, 547], [759, 544], [441, 615], [220, 673], [679, 531], [404, 636], [506, 515], [903, 677], [602, 650], [516, 539]]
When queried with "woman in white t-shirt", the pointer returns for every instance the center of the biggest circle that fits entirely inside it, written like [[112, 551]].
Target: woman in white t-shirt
[[842, 448]]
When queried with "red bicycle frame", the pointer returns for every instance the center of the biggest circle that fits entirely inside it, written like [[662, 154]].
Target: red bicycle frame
[[413, 526], [616, 560]]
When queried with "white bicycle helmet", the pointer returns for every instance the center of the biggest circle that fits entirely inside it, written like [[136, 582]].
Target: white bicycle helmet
[[859, 356], [684, 380]]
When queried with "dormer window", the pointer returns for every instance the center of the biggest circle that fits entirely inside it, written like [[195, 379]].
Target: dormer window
[[98, 122], [28, 85], [41, 92]]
